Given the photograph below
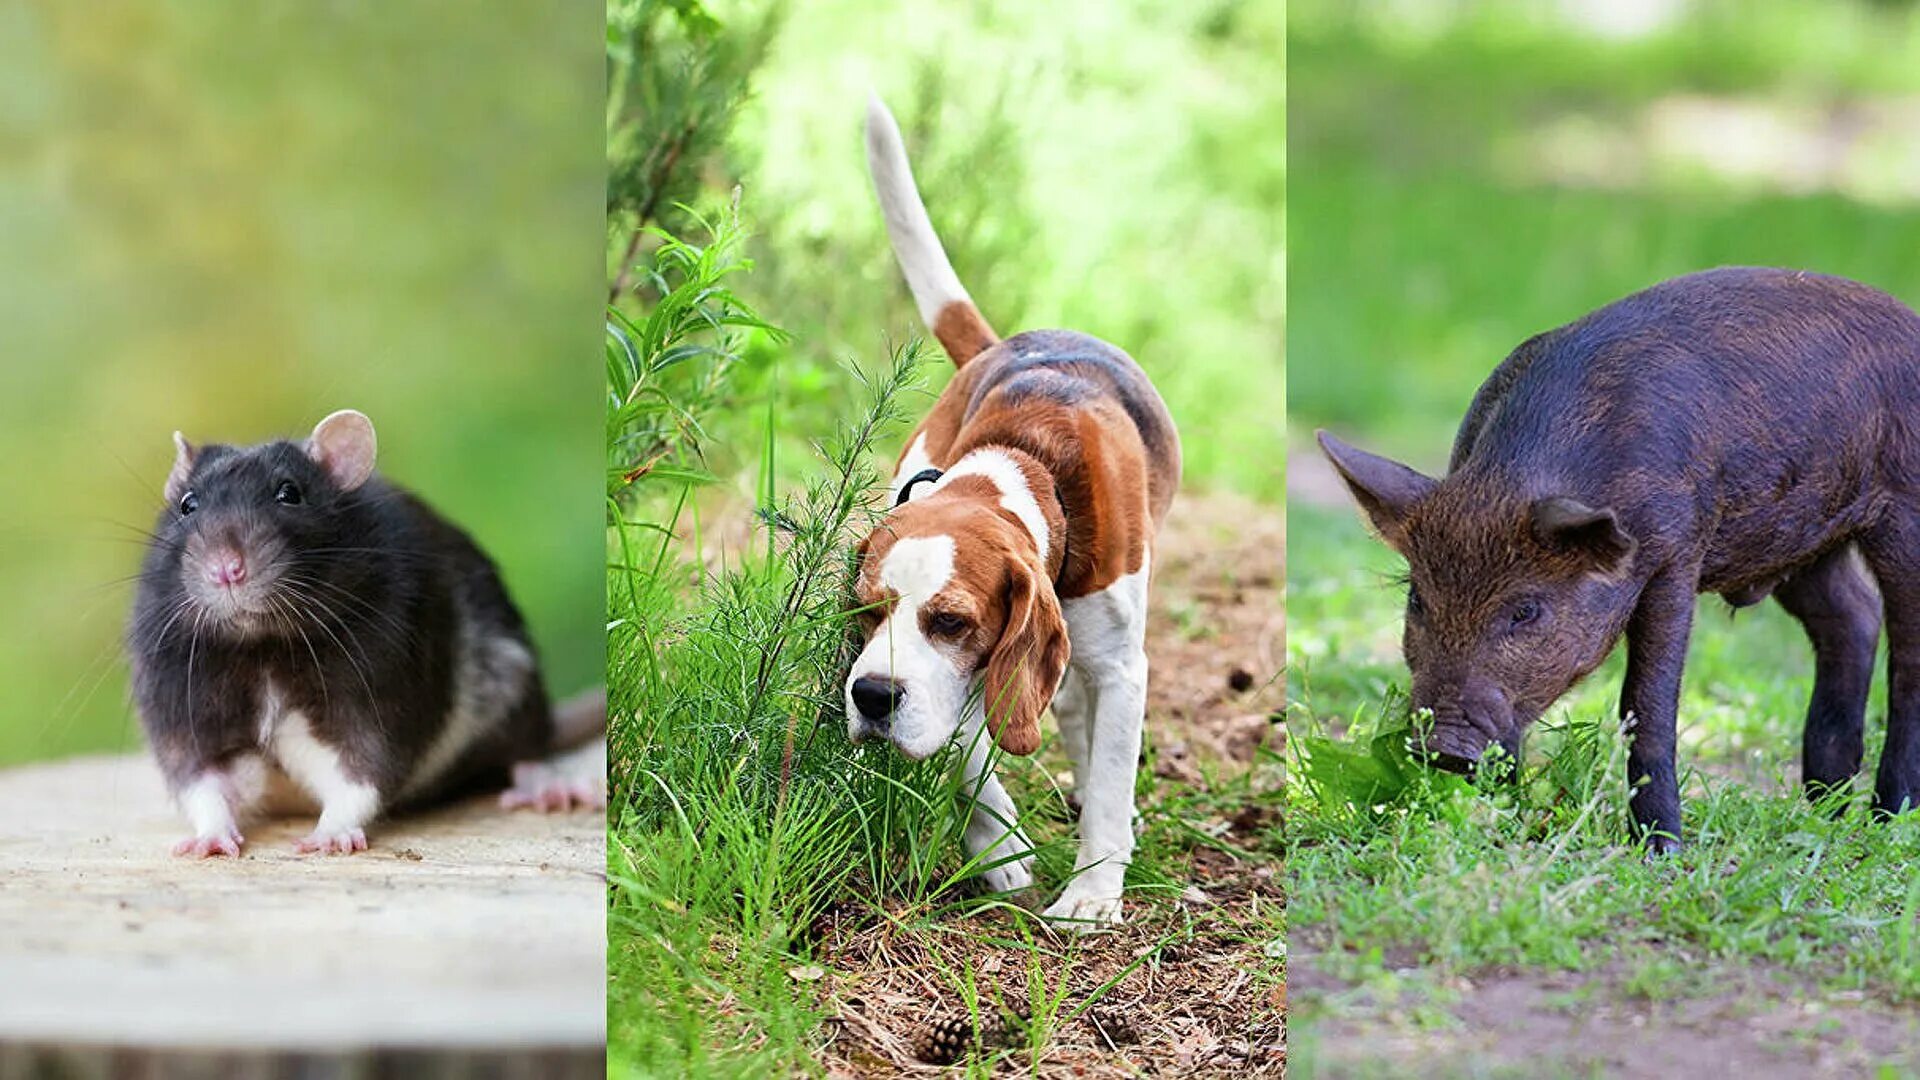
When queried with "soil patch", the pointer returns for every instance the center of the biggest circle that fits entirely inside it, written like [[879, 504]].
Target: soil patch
[[1733, 1021]]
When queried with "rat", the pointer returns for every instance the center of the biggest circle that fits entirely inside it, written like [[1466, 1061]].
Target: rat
[[299, 616]]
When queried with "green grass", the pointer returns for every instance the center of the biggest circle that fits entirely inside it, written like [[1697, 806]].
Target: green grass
[[1397, 866]]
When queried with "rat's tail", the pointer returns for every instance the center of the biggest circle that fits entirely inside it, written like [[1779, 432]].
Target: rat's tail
[[944, 304], [579, 718]]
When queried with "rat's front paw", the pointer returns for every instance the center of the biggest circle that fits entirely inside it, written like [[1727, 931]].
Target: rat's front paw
[[326, 841], [224, 842]]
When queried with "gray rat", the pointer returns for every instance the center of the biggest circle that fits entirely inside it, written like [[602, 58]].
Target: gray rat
[[297, 614]]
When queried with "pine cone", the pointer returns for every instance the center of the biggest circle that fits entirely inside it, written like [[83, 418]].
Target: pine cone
[[943, 1040], [946, 1039]]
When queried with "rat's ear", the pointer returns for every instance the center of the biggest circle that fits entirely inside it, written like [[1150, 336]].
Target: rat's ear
[[1386, 490], [183, 455], [343, 445]]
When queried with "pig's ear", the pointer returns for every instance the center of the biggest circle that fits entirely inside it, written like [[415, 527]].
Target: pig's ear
[[1592, 534], [1386, 490]]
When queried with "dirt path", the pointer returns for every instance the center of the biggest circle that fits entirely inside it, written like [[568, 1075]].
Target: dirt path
[[1188, 986], [1734, 1022]]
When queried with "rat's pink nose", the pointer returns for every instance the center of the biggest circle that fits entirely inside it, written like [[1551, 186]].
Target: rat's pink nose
[[227, 568]]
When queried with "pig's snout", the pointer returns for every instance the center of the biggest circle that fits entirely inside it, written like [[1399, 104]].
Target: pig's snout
[[1453, 738], [1454, 747]]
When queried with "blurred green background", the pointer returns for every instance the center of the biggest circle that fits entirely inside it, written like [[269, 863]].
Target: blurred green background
[[1468, 174], [1113, 167], [232, 219]]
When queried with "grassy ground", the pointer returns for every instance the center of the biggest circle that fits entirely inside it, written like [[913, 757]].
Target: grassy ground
[[1456, 187], [785, 903]]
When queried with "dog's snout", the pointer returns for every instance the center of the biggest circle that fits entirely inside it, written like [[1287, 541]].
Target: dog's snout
[[877, 696]]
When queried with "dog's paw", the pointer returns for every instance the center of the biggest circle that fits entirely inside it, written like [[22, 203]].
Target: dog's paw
[[1084, 909], [1008, 877], [225, 842]]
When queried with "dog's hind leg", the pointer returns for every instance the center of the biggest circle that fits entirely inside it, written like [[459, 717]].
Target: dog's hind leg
[[994, 837]]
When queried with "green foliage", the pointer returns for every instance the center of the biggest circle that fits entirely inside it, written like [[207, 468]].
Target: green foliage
[[1129, 185], [669, 369], [676, 76]]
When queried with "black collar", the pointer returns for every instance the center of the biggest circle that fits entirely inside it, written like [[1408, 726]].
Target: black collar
[[924, 475], [906, 489]]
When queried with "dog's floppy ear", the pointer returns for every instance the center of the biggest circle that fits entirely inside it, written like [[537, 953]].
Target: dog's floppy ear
[[1025, 669]]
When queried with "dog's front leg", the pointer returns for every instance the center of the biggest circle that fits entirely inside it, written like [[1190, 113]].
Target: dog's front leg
[[994, 838], [1092, 898]]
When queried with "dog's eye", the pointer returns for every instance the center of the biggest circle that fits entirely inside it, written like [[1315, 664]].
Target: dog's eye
[[1523, 613], [946, 624], [288, 494], [189, 503]]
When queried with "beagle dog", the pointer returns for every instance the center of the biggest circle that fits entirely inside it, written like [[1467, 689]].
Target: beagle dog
[[1012, 571]]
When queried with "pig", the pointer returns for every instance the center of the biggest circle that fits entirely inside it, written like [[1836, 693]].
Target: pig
[[1743, 431]]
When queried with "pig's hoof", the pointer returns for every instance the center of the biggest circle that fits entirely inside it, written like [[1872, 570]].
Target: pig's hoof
[[1660, 845]]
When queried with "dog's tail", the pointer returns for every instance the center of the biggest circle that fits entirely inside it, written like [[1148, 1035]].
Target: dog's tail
[[944, 304]]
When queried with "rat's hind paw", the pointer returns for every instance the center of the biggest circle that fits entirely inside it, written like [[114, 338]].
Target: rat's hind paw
[[576, 778], [538, 785], [332, 842], [205, 847]]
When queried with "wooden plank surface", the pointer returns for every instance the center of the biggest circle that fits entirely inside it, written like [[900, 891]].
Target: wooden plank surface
[[469, 927]]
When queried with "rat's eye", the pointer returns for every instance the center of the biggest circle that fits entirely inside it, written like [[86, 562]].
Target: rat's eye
[[946, 624], [189, 503], [1523, 613], [287, 494]]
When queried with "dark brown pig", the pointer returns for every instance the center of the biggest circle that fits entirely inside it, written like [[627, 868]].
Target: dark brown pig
[[1747, 432]]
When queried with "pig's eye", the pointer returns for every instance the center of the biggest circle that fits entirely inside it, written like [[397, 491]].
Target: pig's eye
[[1524, 613]]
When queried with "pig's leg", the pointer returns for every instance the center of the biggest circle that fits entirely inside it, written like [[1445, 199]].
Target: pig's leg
[[1656, 652], [1840, 611], [1893, 551]]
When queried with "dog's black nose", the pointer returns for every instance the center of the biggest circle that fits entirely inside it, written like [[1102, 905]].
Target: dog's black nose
[[876, 696]]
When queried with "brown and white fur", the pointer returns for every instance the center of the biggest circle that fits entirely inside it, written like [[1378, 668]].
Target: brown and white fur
[[1017, 577]]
